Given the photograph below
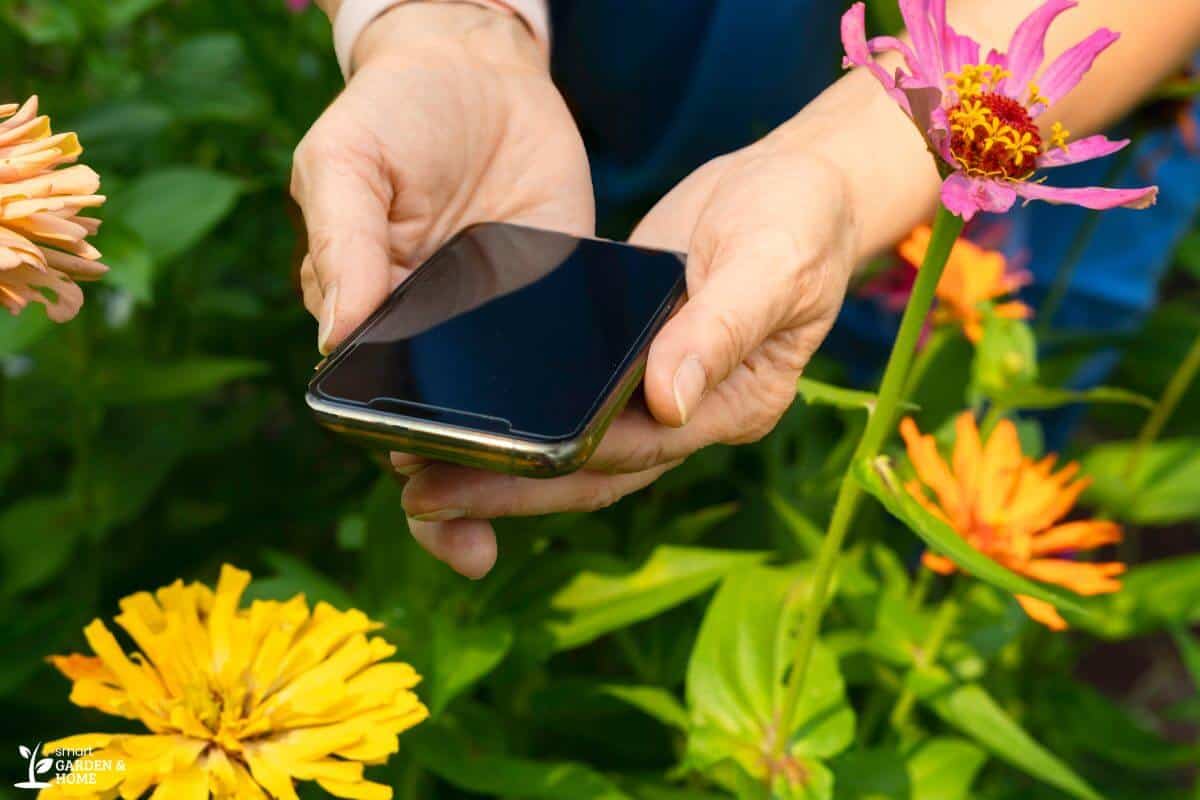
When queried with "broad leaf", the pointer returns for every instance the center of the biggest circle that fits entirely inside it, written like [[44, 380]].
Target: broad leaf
[[174, 208], [878, 478], [450, 754], [462, 654], [292, 577], [1153, 595], [207, 80], [131, 267], [1030, 396], [970, 709], [934, 769], [652, 700], [37, 538], [735, 686], [1163, 492], [593, 602], [130, 383], [119, 13], [818, 393]]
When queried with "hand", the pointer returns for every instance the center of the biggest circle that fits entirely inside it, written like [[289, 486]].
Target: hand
[[772, 242], [451, 119]]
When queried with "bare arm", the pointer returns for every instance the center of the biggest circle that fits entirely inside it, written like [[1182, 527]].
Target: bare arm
[[890, 176]]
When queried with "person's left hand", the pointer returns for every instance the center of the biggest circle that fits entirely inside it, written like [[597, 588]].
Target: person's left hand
[[771, 240]]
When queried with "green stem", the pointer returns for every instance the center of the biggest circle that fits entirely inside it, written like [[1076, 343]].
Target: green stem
[[943, 623], [1078, 248], [933, 347], [991, 419], [880, 423], [1185, 373]]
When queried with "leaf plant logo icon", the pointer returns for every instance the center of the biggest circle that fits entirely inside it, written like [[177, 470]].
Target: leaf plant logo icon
[[36, 767]]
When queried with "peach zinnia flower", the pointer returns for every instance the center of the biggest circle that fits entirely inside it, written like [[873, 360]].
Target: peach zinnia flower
[[979, 115], [1009, 507], [239, 701], [974, 280], [42, 236]]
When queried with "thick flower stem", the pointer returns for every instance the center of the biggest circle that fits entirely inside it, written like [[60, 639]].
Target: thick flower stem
[[1185, 373], [880, 423]]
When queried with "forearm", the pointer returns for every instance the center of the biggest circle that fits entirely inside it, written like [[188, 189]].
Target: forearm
[[891, 178]]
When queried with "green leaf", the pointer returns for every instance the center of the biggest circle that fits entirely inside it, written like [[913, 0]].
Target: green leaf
[[878, 478], [119, 13], [1188, 254], [652, 700], [173, 209], [449, 753], [1031, 396], [1164, 490], [1006, 357], [818, 393], [1189, 652], [943, 768], [44, 22], [129, 384], [131, 267], [595, 602], [804, 530], [1153, 595], [970, 709], [464, 653], [206, 80], [21, 332], [120, 130], [940, 768], [292, 577], [38, 535], [735, 685], [1075, 712]]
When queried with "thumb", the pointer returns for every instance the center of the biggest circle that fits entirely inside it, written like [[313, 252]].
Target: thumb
[[345, 198], [732, 307]]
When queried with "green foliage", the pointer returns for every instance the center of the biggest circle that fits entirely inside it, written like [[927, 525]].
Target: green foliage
[[639, 652]]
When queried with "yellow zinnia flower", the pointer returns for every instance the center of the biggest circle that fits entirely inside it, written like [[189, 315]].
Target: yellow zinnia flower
[[239, 702], [975, 278], [43, 247], [1009, 507]]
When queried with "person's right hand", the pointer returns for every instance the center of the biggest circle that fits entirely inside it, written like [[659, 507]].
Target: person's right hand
[[450, 119]]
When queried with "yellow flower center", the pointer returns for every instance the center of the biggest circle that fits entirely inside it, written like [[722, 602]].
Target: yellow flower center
[[991, 134]]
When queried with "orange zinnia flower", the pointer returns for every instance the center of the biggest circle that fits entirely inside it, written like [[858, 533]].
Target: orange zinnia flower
[[43, 251], [974, 279], [1009, 507]]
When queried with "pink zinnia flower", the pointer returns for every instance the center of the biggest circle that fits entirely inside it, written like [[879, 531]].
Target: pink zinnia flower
[[978, 114], [43, 251]]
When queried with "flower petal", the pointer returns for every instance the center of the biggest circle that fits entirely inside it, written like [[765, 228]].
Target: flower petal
[[926, 41], [1081, 150], [858, 54], [1093, 197], [1081, 577], [1027, 48], [1081, 535], [964, 196], [959, 50], [1069, 68], [1043, 612]]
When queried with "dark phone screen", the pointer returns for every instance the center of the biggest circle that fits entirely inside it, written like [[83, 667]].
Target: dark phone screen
[[509, 329]]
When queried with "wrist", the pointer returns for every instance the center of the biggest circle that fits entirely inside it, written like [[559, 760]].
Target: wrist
[[890, 179], [484, 33]]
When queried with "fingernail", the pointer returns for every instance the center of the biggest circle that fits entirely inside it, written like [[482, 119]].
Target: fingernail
[[328, 309], [441, 515], [690, 383], [408, 470]]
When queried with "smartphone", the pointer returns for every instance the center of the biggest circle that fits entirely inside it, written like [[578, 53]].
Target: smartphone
[[510, 349]]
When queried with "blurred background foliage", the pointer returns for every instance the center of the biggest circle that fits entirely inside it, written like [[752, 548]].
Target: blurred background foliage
[[164, 432]]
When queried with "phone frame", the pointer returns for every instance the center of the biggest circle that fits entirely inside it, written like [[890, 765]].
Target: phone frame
[[510, 453]]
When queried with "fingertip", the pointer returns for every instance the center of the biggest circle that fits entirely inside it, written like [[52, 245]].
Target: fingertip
[[659, 383], [467, 546], [407, 464]]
